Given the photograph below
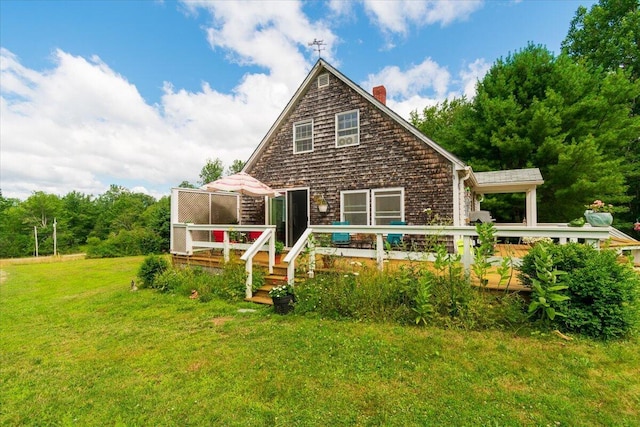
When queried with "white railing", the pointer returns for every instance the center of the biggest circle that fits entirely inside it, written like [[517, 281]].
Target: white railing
[[267, 235], [265, 242], [590, 235]]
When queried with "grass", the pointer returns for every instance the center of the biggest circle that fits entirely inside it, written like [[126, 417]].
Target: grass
[[79, 348]]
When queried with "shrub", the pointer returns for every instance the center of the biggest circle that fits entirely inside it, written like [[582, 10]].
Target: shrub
[[138, 241], [152, 266], [603, 293]]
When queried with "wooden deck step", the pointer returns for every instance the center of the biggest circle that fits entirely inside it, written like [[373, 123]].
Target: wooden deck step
[[260, 300]]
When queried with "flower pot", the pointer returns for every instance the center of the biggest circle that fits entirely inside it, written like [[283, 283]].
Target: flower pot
[[322, 208], [598, 219], [283, 305]]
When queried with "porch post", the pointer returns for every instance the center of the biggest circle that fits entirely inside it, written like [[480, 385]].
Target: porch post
[[248, 266], [380, 251], [532, 208]]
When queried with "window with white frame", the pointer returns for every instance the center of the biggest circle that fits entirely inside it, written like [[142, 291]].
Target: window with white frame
[[355, 207], [388, 205], [347, 128], [303, 137]]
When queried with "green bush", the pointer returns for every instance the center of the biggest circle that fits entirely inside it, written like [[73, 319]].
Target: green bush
[[152, 266], [604, 294], [410, 295], [138, 241]]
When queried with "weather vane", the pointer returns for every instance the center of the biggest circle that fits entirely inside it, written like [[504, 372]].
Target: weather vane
[[318, 45]]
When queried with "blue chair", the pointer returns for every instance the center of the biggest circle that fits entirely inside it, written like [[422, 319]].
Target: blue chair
[[340, 239], [395, 239]]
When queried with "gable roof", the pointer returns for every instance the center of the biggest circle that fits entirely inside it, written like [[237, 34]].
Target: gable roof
[[317, 70], [507, 180]]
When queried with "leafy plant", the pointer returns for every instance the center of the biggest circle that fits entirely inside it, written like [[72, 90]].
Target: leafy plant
[[546, 294], [152, 266], [481, 264], [423, 305]]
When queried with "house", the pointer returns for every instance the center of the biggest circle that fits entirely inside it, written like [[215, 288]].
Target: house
[[337, 144]]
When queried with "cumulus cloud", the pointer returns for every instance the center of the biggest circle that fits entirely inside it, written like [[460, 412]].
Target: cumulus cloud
[[79, 124], [271, 34], [414, 88], [470, 75], [398, 16]]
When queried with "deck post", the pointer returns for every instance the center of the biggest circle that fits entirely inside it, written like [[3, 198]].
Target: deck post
[[272, 251], [312, 258], [188, 244], [466, 252], [248, 267], [225, 249], [380, 251]]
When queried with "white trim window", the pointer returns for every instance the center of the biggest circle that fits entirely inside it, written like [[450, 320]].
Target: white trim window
[[354, 207], [387, 205], [348, 128], [303, 137]]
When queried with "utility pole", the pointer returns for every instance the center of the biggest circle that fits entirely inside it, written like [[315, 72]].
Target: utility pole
[[35, 232], [55, 238]]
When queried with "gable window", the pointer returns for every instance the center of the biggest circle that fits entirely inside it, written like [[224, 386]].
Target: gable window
[[388, 205], [347, 128], [355, 207], [303, 137], [323, 80]]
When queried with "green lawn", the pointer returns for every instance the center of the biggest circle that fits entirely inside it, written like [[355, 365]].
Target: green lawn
[[78, 347]]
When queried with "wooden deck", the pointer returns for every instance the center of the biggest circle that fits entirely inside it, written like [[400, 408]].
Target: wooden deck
[[214, 261]]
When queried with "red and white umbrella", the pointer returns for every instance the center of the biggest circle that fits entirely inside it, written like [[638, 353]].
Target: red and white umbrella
[[241, 183]]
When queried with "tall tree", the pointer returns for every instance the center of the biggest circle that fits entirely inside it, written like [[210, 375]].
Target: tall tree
[[211, 171], [607, 36], [235, 167], [533, 109]]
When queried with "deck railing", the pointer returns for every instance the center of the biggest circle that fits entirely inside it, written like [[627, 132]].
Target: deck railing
[[198, 237], [464, 235]]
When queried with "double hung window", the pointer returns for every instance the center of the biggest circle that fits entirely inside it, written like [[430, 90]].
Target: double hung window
[[348, 128], [303, 137]]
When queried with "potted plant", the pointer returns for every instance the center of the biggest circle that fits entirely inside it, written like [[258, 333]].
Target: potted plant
[[321, 202], [282, 297], [599, 214], [279, 249]]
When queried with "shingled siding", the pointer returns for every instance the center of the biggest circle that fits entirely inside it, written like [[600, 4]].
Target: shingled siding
[[388, 156]]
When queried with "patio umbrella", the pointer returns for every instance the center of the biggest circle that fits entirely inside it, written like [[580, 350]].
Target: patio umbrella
[[241, 183]]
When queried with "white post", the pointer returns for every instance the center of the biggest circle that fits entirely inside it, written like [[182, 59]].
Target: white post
[[272, 251], [248, 266], [35, 232], [188, 244], [532, 209], [55, 238], [380, 251], [466, 252], [225, 249]]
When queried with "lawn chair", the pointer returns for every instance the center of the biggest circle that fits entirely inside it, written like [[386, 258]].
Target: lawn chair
[[340, 239], [395, 239]]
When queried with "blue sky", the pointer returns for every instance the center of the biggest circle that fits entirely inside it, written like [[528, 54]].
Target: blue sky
[[141, 93]]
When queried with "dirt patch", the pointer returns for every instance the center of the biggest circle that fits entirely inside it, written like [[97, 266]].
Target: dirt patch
[[3, 276], [219, 321]]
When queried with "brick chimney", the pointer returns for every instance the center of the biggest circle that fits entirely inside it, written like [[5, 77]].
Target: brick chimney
[[380, 93]]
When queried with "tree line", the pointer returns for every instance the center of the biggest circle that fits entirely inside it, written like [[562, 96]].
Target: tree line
[[118, 222], [574, 115]]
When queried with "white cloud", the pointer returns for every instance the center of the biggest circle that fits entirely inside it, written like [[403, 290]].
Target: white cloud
[[81, 126], [470, 75], [414, 88], [398, 16], [271, 34]]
